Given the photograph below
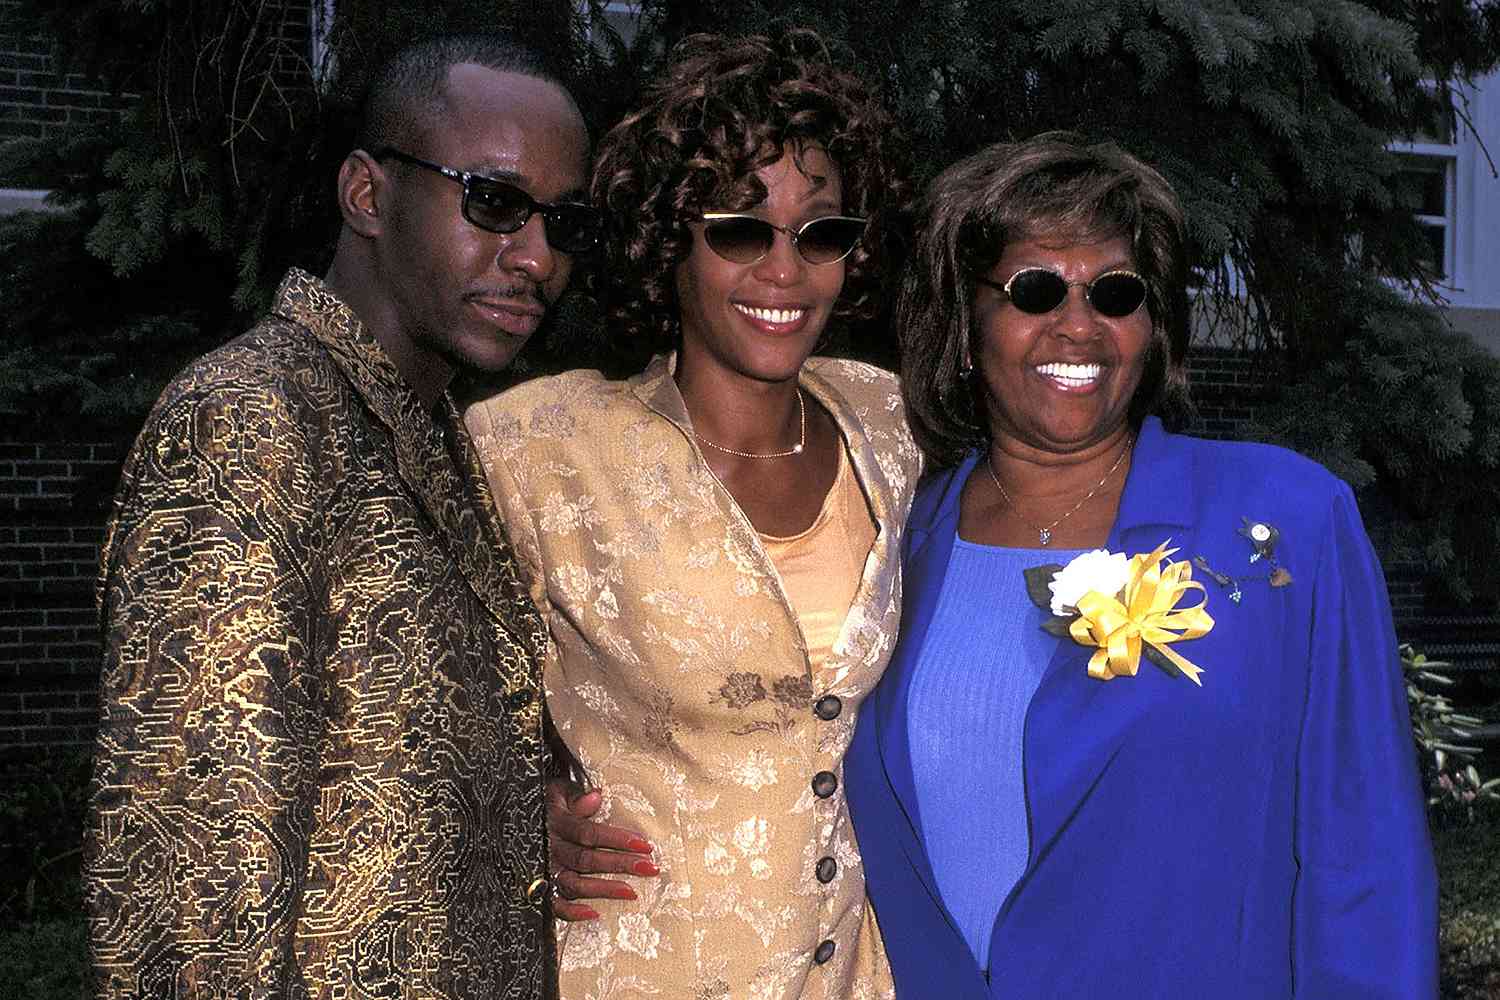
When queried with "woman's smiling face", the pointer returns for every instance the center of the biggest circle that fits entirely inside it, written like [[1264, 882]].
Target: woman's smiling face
[[1061, 381], [762, 320]]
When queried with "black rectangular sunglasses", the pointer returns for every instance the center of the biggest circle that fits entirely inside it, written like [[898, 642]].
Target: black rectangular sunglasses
[[499, 207]]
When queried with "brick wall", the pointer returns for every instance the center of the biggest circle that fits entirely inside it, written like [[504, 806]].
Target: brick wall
[[1226, 387], [51, 517], [36, 101]]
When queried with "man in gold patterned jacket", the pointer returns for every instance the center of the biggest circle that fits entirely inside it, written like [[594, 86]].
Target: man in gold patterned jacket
[[319, 770]]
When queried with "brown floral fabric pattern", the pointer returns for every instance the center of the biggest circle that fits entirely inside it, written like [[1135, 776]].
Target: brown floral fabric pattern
[[679, 676], [319, 769]]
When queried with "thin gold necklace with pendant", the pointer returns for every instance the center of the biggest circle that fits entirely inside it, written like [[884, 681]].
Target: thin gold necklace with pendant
[[1044, 534], [795, 449]]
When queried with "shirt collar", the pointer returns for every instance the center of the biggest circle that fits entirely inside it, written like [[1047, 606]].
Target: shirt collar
[[309, 302]]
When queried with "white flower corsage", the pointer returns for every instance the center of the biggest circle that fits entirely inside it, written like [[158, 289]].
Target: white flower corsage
[[1123, 608]]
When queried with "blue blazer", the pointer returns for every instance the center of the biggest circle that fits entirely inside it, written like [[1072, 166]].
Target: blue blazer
[[1261, 836]]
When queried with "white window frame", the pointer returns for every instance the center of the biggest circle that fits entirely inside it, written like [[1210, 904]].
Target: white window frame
[[318, 54], [1443, 158], [629, 8], [24, 200], [1454, 161]]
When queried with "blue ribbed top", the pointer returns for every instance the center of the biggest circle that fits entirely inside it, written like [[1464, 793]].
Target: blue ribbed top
[[980, 663]]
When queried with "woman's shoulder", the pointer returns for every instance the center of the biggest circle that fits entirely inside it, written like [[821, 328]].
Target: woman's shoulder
[[581, 414], [1248, 479], [939, 488], [1254, 467], [855, 375], [869, 391], [547, 397]]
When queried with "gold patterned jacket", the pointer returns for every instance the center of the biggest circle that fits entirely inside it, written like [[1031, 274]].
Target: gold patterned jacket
[[679, 676], [319, 769]]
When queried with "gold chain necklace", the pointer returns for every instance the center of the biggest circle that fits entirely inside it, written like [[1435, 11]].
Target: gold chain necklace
[[796, 449], [1044, 535]]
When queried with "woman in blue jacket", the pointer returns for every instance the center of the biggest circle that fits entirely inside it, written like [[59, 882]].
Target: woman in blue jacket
[[1191, 773]]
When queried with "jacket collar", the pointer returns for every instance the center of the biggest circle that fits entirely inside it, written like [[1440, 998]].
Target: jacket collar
[[657, 389], [434, 456], [1159, 490]]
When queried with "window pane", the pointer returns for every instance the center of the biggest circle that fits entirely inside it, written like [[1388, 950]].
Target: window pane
[[1438, 132], [1436, 263], [1441, 131], [1423, 186], [625, 19]]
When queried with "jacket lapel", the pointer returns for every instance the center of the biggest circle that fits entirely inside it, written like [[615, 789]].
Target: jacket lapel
[[929, 544], [435, 459], [860, 644], [657, 389], [1076, 724]]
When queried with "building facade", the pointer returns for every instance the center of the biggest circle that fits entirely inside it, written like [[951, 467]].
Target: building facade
[[1456, 175]]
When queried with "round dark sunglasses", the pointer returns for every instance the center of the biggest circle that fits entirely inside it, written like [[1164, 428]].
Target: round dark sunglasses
[[744, 239], [1036, 290], [499, 207]]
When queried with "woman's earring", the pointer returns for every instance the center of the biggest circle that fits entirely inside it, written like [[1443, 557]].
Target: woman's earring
[[966, 369]]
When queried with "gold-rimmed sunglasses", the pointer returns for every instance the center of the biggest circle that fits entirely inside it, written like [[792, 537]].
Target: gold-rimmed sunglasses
[[746, 239]]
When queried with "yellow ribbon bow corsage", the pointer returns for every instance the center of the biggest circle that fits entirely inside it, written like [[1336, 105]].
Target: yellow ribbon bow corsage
[[1143, 615]]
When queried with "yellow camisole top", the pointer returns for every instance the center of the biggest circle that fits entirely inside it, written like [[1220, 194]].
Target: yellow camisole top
[[821, 566]]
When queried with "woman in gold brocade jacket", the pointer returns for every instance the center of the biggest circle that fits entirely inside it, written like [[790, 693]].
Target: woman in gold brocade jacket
[[714, 541]]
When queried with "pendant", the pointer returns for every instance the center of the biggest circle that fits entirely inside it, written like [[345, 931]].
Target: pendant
[[1044, 536]]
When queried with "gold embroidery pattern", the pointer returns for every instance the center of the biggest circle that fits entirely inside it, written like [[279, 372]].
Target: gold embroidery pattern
[[679, 676], [320, 764]]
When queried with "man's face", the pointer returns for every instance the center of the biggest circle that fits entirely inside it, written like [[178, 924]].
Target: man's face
[[464, 297]]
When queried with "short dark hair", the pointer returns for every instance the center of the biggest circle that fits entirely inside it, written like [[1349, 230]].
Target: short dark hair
[[407, 89], [1055, 185], [721, 110]]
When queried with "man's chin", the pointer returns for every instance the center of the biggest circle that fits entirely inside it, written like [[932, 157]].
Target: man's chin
[[495, 357]]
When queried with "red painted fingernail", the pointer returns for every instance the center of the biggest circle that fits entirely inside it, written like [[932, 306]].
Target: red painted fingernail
[[589, 915], [627, 893], [639, 845], [645, 868]]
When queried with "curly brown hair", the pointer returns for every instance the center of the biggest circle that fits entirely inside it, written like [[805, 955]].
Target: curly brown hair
[[723, 109], [1056, 187]]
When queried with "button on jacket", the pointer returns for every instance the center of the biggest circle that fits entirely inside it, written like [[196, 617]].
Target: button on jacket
[[320, 762]]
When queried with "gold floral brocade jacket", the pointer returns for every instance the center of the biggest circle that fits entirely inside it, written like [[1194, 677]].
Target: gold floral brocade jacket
[[319, 769], [679, 676]]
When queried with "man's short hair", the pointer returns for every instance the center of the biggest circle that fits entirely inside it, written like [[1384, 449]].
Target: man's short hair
[[407, 90]]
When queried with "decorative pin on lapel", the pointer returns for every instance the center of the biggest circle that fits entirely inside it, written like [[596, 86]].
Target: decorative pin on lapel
[[1263, 537], [1222, 579]]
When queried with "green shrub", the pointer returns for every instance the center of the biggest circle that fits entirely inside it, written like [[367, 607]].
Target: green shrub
[[1469, 907], [42, 806], [45, 960], [1453, 784]]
